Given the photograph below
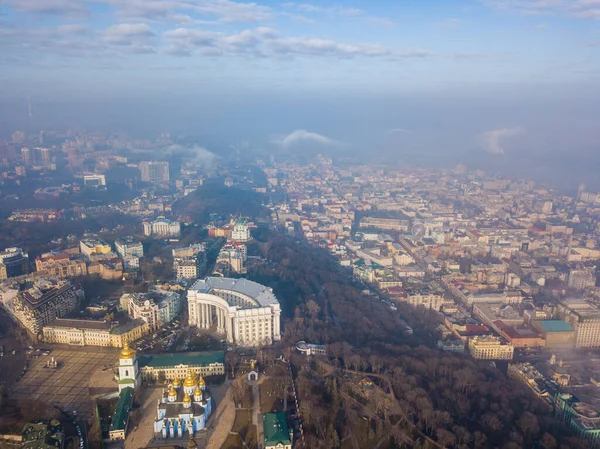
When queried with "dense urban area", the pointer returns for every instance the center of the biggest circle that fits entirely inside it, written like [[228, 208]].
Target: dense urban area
[[156, 295]]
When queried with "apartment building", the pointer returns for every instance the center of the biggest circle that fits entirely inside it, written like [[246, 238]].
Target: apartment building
[[43, 301], [154, 171], [60, 265], [129, 246], [156, 308], [13, 262], [581, 279]]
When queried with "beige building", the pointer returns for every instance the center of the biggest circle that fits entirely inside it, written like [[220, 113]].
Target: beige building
[[107, 269], [177, 365], [585, 319], [60, 265], [490, 348], [93, 333], [156, 307]]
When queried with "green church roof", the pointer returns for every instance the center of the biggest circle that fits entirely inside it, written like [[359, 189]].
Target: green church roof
[[119, 419], [276, 429], [167, 360]]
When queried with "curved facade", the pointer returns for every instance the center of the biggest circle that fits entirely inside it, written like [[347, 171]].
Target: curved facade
[[246, 312]]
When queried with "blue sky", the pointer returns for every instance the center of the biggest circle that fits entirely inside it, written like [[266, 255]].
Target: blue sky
[[397, 45]]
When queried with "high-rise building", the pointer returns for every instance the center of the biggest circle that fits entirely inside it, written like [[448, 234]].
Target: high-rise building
[[27, 156], [585, 319], [581, 279], [154, 171], [45, 155], [13, 262], [547, 207]]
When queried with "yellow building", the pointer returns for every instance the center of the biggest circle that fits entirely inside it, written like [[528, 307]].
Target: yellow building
[[179, 365], [93, 333], [92, 246]]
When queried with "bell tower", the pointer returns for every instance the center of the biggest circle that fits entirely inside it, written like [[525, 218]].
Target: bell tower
[[129, 373]]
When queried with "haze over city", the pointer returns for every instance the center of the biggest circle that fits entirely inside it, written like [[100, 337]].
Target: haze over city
[[444, 79], [362, 224]]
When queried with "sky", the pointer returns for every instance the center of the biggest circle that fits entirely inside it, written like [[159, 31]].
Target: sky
[[497, 76], [384, 44]]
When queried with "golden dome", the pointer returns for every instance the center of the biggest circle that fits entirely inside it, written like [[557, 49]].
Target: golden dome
[[127, 352], [197, 391], [172, 391], [176, 382], [190, 380], [187, 399], [201, 381]]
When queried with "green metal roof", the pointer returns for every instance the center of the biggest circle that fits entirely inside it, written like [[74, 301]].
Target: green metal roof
[[168, 360], [556, 326], [126, 381], [42, 435], [276, 429], [119, 420]]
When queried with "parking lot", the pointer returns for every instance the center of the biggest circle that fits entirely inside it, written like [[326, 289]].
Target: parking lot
[[67, 386]]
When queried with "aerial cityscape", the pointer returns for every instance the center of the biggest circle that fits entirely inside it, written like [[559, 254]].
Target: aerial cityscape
[[236, 225]]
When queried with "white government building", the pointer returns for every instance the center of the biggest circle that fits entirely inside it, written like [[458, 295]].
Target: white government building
[[162, 228], [246, 312]]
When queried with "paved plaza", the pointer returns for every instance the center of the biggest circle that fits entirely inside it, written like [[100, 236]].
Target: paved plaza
[[67, 386]]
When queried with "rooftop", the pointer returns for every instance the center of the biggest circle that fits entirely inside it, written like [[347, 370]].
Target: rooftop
[[259, 293], [182, 358], [119, 420], [126, 327], [128, 240], [79, 324], [556, 326], [42, 435], [276, 429]]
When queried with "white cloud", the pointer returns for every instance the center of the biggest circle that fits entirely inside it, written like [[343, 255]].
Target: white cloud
[[381, 21], [324, 47], [132, 34], [399, 131], [58, 7], [73, 29], [450, 23], [581, 9], [264, 41], [492, 140], [178, 11], [302, 136]]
